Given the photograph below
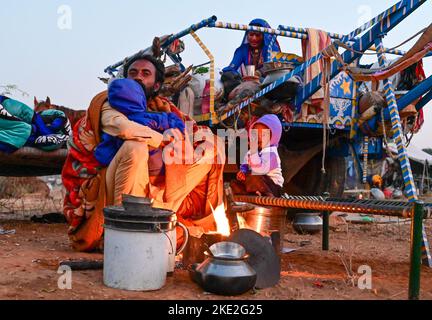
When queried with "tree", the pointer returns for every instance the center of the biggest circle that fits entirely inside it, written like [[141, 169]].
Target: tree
[[428, 151], [9, 89]]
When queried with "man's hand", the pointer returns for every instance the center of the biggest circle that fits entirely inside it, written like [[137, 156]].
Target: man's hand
[[241, 176], [171, 136], [178, 149], [174, 135]]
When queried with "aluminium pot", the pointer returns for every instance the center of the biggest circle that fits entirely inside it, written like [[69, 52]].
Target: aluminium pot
[[225, 271], [308, 223], [266, 221]]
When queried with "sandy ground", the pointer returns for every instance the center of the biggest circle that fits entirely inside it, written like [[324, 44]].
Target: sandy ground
[[29, 260]]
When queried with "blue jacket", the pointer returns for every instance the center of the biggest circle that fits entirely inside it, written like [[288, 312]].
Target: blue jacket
[[242, 54]]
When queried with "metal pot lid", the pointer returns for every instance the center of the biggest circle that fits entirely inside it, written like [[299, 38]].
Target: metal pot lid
[[263, 258], [148, 213], [142, 207], [129, 199], [307, 224]]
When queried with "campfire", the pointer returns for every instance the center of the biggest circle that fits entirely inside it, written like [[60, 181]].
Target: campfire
[[200, 240], [222, 223], [236, 216]]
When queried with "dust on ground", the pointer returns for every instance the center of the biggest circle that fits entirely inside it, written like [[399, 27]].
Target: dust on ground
[[29, 262]]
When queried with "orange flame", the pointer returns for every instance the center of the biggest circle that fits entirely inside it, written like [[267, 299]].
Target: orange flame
[[221, 219]]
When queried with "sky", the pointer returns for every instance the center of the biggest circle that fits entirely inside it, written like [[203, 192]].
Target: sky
[[60, 48]]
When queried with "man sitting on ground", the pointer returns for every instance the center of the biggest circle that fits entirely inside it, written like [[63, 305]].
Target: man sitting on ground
[[190, 189]]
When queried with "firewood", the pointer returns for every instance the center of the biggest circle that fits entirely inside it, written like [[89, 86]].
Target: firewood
[[83, 264]]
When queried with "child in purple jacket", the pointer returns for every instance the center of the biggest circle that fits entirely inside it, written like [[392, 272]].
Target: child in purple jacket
[[261, 172]]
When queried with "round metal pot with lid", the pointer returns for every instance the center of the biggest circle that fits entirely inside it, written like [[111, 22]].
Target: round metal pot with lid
[[139, 246], [308, 223], [226, 270], [153, 220], [266, 220]]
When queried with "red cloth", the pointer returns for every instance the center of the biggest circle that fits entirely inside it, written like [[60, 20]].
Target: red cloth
[[388, 193], [421, 76], [81, 165]]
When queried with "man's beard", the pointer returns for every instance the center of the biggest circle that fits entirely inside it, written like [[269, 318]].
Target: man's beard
[[149, 92]]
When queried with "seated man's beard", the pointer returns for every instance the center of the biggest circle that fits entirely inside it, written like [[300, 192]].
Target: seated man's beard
[[149, 92]]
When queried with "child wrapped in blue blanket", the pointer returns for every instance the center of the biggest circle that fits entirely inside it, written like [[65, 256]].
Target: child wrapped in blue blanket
[[128, 97]]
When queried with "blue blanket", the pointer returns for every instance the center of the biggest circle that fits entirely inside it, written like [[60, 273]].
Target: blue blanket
[[20, 126], [128, 97]]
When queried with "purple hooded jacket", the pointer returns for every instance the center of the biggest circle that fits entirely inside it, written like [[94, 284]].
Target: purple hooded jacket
[[266, 161]]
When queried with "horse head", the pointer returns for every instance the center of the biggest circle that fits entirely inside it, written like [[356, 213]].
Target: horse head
[[41, 105], [73, 115]]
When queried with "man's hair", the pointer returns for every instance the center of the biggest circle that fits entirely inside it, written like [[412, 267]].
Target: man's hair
[[160, 68]]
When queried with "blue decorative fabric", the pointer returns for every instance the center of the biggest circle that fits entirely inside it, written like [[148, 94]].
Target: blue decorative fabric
[[242, 54], [21, 126], [7, 148], [51, 130], [128, 97]]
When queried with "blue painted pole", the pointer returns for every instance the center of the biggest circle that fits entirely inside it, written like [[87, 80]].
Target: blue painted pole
[[303, 31], [244, 27], [421, 89], [166, 43], [366, 41], [185, 32], [424, 101], [362, 44], [410, 188]]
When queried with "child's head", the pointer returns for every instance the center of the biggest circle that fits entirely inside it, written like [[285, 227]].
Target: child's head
[[262, 134], [267, 131]]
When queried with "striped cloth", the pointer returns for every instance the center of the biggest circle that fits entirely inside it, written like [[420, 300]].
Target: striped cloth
[[317, 41]]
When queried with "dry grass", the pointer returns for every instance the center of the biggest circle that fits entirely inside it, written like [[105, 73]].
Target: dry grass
[[346, 256]]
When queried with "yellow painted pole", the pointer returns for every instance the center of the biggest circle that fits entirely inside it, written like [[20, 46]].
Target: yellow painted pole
[[212, 76]]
